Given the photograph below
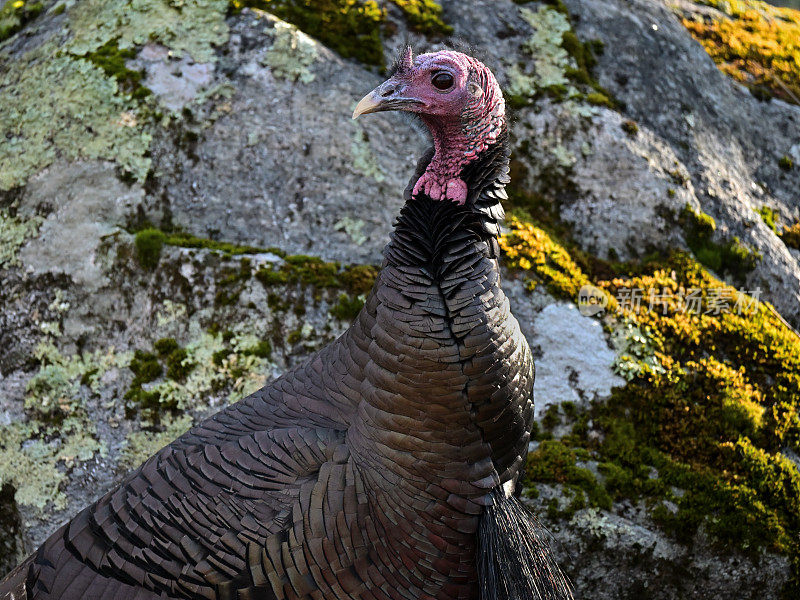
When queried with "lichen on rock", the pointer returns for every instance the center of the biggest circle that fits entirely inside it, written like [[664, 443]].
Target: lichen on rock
[[291, 54], [56, 106], [352, 227], [192, 26], [14, 232], [562, 63], [363, 156], [31, 467], [142, 444], [57, 432], [212, 368], [550, 60]]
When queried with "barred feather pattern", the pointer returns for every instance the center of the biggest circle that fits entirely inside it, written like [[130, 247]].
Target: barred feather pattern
[[363, 473]]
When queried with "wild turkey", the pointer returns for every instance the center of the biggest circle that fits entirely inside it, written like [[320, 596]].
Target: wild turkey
[[383, 467]]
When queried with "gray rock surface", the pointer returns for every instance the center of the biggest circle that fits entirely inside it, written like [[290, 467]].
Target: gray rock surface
[[647, 564], [693, 119], [281, 163], [573, 360]]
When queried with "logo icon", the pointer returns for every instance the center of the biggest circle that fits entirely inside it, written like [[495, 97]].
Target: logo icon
[[591, 300]]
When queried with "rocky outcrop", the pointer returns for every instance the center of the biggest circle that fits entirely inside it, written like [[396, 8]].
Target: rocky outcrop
[[187, 209]]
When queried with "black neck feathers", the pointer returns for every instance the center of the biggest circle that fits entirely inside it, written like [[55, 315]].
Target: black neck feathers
[[429, 231]]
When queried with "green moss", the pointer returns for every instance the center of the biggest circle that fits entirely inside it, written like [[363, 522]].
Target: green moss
[[754, 43], [636, 349], [584, 55], [347, 307], [555, 462], [187, 240], [15, 14], [786, 163], [530, 249], [314, 272], [679, 178], [219, 356], [551, 418], [271, 277], [350, 27], [533, 205], [165, 346], [262, 349], [145, 366], [728, 258], [358, 279], [424, 16], [149, 243], [231, 282], [600, 99], [770, 217], [112, 61], [630, 127], [178, 364]]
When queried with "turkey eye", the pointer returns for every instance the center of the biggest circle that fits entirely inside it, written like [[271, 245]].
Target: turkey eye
[[442, 81]]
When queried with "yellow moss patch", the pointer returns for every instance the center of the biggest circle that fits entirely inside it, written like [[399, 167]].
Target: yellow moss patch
[[529, 248], [424, 16], [700, 432], [755, 43], [791, 236], [349, 27], [15, 14]]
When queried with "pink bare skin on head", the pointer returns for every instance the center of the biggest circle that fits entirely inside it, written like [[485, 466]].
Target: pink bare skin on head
[[459, 100]]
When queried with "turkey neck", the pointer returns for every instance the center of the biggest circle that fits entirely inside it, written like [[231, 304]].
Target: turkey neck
[[442, 405]]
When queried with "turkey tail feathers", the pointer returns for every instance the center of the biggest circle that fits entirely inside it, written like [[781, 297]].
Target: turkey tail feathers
[[514, 558]]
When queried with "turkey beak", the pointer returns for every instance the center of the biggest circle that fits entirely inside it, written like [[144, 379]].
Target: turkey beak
[[387, 96]]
